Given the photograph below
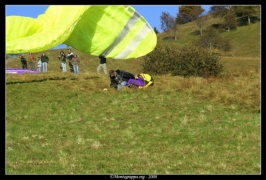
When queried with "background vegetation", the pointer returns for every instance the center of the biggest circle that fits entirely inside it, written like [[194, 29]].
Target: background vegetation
[[61, 123]]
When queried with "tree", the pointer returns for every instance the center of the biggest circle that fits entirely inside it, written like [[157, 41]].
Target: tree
[[168, 23], [190, 13], [218, 11], [179, 19], [227, 13], [230, 21], [201, 21], [211, 39], [155, 30], [247, 11]]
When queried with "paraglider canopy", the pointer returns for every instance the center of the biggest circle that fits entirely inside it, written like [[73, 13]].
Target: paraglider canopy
[[117, 32]]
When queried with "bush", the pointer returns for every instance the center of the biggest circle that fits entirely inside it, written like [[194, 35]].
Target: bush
[[189, 61]]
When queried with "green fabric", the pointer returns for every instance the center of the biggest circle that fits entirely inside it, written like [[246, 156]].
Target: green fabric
[[91, 29]]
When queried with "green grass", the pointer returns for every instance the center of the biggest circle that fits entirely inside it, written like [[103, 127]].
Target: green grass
[[141, 132], [60, 123]]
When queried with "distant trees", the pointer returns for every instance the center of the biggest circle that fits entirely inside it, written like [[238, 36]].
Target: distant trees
[[155, 30], [211, 39], [168, 23], [226, 12], [201, 21], [230, 21], [189, 13], [247, 11]]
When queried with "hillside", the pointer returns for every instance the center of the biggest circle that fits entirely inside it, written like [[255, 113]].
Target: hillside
[[245, 40]]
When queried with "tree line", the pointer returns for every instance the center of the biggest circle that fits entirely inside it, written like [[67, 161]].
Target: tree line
[[232, 16]]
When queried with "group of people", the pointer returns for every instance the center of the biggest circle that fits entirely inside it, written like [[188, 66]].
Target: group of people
[[119, 78], [42, 64], [73, 61]]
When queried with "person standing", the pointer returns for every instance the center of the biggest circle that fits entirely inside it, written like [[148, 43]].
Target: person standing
[[102, 65], [75, 63], [45, 60], [32, 61], [62, 57], [39, 64], [69, 57], [23, 62]]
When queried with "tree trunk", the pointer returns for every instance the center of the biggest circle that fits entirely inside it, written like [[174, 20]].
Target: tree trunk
[[201, 30], [248, 20], [210, 48]]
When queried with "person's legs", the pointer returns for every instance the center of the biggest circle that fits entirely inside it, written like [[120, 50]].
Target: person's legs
[[31, 65], [136, 82], [64, 67], [25, 65], [70, 66], [99, 68], [119, 86], [75, 69], [104, 68], [43, 67]]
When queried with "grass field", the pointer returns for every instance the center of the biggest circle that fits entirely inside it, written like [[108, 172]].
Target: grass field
[[60, 123]]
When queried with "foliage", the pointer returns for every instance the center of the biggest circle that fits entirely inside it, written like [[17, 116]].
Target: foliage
[[247, 11], [179, 19], [230, 21], [155, 30], [160, 60], [212, 39], [167, 21], [201, 21], [194, 61], [189, 13], [189, 61], [219, 11]]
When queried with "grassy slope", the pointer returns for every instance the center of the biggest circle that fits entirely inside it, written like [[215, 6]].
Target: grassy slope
[[59, 123]]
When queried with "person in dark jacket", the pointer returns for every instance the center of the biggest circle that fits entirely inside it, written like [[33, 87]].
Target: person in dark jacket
[[23, 62], [119, 78], [62, 58], [102, 65], [45, 61], [69, 57]]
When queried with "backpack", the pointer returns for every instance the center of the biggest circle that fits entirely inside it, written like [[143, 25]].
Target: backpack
[[147, 79]]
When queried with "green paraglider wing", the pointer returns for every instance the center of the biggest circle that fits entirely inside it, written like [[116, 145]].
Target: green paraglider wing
[[117, 32]]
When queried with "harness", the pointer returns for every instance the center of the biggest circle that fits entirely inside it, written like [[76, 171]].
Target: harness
[[148, 80]]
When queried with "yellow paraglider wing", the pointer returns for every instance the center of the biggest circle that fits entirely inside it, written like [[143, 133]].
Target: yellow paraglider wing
[[117, 32]]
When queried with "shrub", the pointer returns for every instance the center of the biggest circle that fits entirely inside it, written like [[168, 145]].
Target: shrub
[[189, 61]]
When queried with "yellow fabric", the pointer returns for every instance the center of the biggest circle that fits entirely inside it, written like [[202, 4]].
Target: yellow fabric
[[90, 29], [147, 78]]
